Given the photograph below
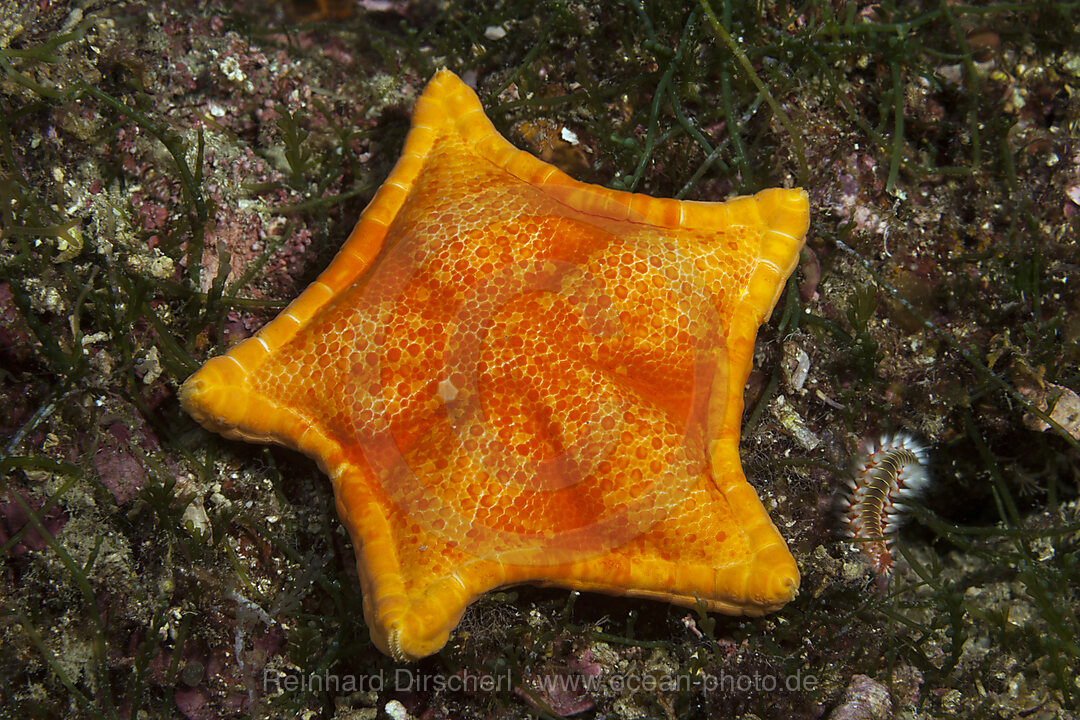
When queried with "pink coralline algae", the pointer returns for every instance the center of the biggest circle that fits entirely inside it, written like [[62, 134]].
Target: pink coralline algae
[[117, 467], [865, 699], [14, 520]]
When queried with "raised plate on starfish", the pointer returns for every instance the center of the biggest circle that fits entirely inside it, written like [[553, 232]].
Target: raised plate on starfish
[[512, 376]]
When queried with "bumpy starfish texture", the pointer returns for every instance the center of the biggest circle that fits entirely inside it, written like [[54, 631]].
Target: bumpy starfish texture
[[511, 376]]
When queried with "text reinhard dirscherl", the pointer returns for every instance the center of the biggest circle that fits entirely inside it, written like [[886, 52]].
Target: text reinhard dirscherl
[[408, 679]]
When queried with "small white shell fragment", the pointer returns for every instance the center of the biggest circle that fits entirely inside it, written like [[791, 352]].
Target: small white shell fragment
[[796, 365]]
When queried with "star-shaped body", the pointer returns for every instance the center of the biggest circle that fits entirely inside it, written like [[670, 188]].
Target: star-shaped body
[[512, 376]]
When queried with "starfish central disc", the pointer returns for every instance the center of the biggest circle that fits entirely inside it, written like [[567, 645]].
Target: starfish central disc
[[512, 376]]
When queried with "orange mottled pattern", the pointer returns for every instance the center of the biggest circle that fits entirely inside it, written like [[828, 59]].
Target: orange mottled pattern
[[534, 370], [511, 376]]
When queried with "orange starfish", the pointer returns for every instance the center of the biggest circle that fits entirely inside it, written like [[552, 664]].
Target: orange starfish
[[512, 376]]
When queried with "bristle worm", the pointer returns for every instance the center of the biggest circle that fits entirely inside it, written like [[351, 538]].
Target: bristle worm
[[886, 473]]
